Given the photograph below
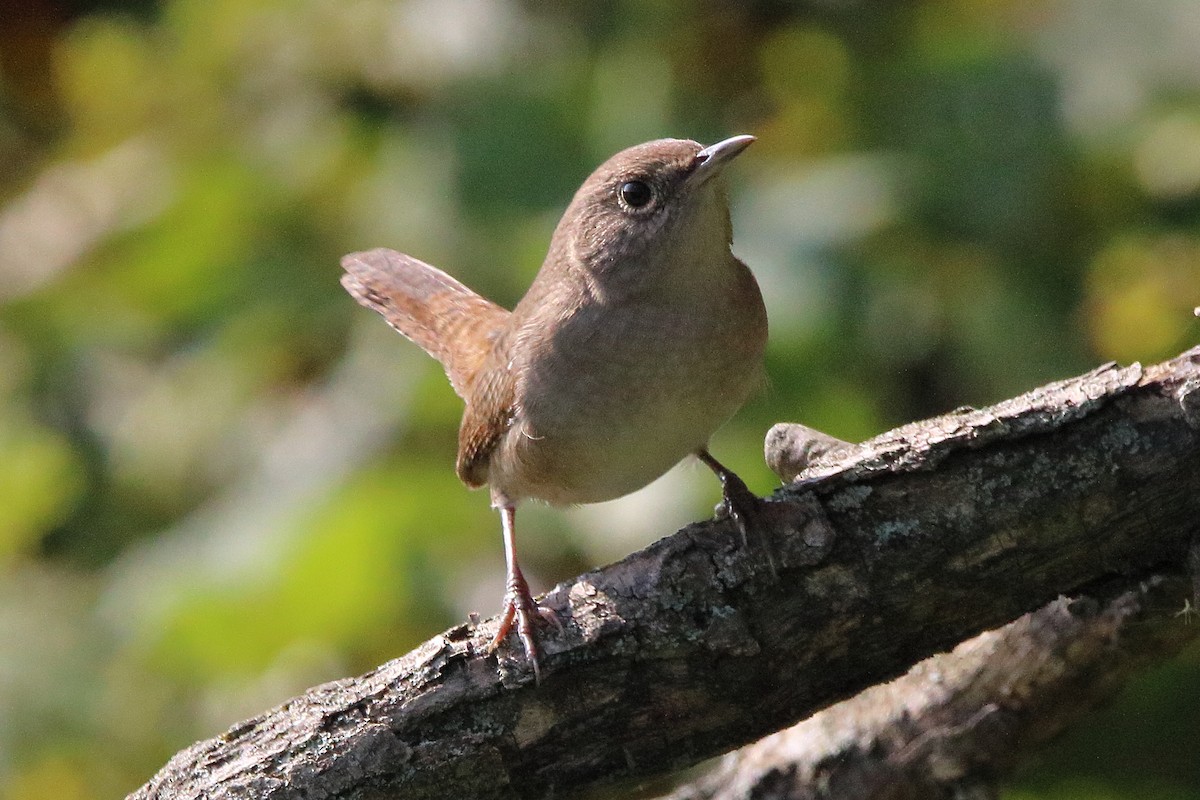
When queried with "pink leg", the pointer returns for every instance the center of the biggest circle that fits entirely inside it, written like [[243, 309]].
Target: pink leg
[[518, 601]]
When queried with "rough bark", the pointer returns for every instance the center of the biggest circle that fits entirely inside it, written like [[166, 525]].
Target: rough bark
[[958, 723], [887, 553]]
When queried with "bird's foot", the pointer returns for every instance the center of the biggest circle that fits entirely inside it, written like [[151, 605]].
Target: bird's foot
[[520, 610], [745, 509], [742, 506]]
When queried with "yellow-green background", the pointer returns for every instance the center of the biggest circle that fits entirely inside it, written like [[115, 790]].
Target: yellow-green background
[[221, 481]]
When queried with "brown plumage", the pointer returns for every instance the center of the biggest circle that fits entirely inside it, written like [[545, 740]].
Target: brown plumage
[[449, 321], [640, 335]]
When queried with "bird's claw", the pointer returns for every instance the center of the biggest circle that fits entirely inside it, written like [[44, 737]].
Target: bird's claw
[[520, 611], [742, 506]]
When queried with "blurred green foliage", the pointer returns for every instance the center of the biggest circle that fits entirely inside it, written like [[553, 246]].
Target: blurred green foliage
[[221, 481]]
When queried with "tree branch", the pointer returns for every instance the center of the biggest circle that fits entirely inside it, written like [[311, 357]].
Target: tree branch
[[959, 722], [887, 552]]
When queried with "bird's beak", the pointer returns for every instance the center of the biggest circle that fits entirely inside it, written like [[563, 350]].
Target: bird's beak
[[712, 159]]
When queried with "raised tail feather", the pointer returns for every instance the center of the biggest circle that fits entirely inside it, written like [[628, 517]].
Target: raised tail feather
[[449, 321]]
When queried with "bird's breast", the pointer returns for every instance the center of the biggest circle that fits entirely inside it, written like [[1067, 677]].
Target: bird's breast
[[619, 393]]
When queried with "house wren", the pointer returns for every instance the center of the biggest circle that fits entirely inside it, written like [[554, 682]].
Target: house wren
[[639, 337]]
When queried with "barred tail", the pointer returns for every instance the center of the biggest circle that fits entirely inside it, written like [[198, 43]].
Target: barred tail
[[449, 321]]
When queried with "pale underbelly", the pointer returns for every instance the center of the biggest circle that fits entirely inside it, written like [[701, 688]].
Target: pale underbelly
[[598, 442]]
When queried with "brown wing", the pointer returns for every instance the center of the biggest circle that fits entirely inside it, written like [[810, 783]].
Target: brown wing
[[449, 321], [488, 416]]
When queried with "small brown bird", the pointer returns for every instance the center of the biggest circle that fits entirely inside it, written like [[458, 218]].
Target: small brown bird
[[639, 337]]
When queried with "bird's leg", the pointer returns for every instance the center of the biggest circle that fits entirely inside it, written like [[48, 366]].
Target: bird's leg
[[741, 503], [519, 605]]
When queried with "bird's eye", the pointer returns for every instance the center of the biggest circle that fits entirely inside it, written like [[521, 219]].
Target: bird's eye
[[636, 194]]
